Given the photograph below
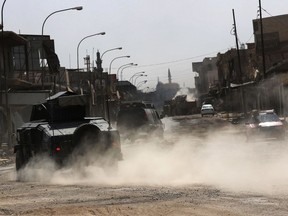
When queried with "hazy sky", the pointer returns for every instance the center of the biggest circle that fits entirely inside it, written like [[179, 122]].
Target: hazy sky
[[157, 34]]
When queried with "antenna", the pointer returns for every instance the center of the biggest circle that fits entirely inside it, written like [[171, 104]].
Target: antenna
[[107, 103]]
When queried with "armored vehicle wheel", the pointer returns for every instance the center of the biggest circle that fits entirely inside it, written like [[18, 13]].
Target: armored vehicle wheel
[[20, 161], [92, 145], [86, 138]]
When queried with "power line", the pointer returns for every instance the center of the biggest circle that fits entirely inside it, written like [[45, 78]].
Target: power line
[[250, 37], [180, 60], [266, 11]]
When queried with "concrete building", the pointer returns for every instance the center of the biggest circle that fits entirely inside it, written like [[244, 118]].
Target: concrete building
[[249, 88], [16, 96], [229, 70], [273, 90], [207, 74], [275, 37]]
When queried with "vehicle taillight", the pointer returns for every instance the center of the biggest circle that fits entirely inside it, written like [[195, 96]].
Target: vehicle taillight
[[58, 149]]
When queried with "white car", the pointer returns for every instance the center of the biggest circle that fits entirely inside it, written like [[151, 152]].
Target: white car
[[264, 124], [207, 109]]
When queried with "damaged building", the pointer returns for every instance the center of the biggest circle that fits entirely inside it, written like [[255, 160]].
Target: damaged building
[[251, 83]]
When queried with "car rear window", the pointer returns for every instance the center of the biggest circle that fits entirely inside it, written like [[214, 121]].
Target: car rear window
[[207, 106], [268, 117], [131, 118]]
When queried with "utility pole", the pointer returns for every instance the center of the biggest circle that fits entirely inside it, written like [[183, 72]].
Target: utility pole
[[262, 41], [4, 73], [239, 63]]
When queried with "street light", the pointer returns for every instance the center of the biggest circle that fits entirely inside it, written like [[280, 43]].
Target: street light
[[42, 32], [8, 116], [114, 60], [107, 96], [101, 33], [141, 83], [101, 76], [73, 8], [118, 48], [2, 14], [135, 74], [124, 68]]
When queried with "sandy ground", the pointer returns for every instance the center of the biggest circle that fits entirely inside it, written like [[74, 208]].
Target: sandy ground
[[195, 175], [38, 199]]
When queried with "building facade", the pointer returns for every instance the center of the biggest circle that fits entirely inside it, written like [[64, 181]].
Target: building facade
[[275, 39], [207, 74]]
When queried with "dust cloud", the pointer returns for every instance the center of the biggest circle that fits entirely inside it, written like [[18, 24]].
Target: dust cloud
[[223, 159], [185, 91]]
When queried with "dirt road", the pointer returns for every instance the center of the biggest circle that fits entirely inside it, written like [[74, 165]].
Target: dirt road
[[39, 199], [198, 174]]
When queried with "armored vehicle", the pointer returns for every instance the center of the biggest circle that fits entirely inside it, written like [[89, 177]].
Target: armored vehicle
[[179, 106], [139, 119], [59, 129]]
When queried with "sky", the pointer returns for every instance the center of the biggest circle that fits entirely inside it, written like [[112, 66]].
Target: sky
[[157, 34]]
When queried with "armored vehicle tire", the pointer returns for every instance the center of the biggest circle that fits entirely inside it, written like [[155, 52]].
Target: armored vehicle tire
[[19, 161], [22, 158], [91, 143], [86, 135]]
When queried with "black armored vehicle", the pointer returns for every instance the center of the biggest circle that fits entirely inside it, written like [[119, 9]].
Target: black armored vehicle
[[59, 129], [139, 119]]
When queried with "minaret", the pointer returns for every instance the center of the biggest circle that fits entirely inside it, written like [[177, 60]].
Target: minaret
[[99, 62], [169, 76]]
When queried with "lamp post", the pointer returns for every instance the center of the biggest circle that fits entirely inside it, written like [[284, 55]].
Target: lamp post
[[8, 116], [107, 96], [101, 33], [141, 83], [42, 32], [101, 77], [4, 59], [125, 68], [114, 60], [118, 48], [135, 74], [58, 11], [2, 14]]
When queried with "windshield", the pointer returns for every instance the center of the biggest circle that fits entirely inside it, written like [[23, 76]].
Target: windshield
[[268, 117], [207, 106], [131, 118]]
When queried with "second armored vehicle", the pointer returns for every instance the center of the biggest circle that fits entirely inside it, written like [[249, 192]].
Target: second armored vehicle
[[138, 119]]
